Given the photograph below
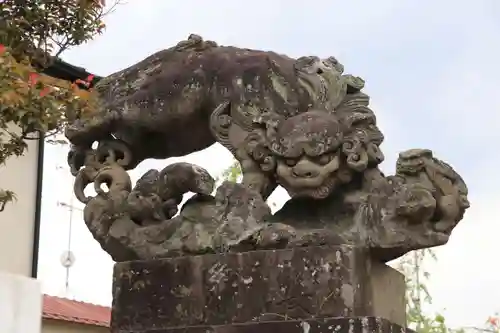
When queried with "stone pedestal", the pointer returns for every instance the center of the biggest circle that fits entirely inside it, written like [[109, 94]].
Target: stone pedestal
[[311, 289], [327, 325]]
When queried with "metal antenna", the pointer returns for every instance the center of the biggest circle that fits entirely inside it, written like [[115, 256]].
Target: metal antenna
[[68, 257]]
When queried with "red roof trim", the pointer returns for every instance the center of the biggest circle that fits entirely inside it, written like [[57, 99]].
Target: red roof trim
[[64, 309]]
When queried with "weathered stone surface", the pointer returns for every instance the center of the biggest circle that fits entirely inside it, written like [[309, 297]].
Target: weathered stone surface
[[299, 123], [132, 225], [270, 285], [388, 290], [327, 325]]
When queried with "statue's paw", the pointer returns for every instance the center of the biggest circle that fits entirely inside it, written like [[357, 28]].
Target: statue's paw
[[203, 182], [145, 209], [76, 158], [450, 211], [180, 178], [417, 205], [78, 132], [74, 128], [170, 207], [420, 204]]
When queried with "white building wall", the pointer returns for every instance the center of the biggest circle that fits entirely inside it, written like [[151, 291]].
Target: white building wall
[[19, 174], [20, 295], [20, 304]]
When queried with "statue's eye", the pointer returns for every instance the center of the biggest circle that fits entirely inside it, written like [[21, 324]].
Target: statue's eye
[[325, 159], [290, 162]]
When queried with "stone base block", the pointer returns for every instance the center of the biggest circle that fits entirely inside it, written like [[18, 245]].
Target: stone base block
[[259, 286], [327, 325]]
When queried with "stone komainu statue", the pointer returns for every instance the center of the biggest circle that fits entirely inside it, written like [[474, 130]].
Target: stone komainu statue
[[299, 123]]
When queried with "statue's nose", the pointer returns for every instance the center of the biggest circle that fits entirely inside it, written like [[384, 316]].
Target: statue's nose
[[303, 170]]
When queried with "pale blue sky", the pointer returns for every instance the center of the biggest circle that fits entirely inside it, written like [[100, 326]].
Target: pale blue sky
[[432, 69]]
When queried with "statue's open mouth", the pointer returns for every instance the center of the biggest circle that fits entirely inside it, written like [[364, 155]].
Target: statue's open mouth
[[302, 183]]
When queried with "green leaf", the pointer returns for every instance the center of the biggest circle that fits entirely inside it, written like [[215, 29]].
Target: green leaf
[[439, 318]]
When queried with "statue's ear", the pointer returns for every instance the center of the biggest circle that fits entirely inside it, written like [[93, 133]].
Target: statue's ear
[[354, 83], [333, 62], [269, 124], [306, 64]]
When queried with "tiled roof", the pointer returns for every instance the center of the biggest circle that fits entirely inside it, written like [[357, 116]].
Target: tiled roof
[[57, 308]]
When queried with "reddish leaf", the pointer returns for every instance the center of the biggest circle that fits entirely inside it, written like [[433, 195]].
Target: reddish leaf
[[45, 91], [33, 78]]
